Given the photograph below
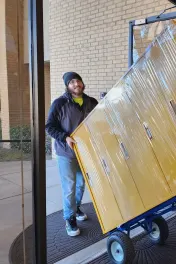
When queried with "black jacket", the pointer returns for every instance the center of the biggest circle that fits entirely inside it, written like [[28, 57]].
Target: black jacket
[[64, 117]]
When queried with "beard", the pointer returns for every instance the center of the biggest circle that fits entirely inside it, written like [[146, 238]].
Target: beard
[[78, 91]]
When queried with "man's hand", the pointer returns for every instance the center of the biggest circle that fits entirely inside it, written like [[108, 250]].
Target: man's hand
[[70, 142]]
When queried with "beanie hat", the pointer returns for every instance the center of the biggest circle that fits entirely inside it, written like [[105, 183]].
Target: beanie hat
[[68, 76]]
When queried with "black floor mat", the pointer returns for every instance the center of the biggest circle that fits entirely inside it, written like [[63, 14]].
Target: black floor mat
[[59, 244], [147, 252]]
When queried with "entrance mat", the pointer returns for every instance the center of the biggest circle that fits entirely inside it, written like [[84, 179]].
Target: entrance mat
[[147, 252], [59, 244]]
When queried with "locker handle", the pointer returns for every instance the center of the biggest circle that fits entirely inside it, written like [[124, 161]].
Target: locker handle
[[124, 151], [105, 166], [148, 131], [173, 104], [89, 179]]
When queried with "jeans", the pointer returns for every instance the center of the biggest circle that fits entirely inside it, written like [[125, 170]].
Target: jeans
[[73, 185]]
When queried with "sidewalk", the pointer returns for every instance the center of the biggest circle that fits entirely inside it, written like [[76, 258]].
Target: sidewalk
[[11, 200]]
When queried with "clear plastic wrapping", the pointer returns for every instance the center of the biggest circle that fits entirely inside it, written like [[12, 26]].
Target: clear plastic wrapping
[[144, 35], [126, 146]]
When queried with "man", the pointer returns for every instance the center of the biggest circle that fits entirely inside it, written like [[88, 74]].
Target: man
[[65, 114]]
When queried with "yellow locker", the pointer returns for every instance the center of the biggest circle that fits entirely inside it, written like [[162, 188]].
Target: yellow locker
[[150, 106], [159, 91], [166, 44], [163, 74], [98, 184], [107, 146], [156, 81], [140, 158], [126, 146]]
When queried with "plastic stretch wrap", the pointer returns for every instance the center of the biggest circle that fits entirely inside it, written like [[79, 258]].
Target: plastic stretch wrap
[[126, 146], [144, 35]]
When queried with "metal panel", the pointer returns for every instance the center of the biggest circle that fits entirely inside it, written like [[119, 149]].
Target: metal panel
[[36, 61]]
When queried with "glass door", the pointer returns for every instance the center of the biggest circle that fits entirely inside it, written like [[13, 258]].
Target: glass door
[[22, 159]]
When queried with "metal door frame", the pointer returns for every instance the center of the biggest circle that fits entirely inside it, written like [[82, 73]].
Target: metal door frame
[[37, 95]]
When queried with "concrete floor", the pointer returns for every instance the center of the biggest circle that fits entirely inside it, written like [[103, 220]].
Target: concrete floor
[[11, 223]]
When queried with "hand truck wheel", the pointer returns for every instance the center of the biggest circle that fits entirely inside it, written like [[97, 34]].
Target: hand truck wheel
[[160, 231], [120, 248]]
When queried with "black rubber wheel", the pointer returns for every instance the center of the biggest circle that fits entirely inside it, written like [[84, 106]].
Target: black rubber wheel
[[120, 248], [160, 231]]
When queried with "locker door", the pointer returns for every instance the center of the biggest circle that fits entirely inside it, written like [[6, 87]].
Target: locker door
[[166, 71], [155, 86], [98, 184], [107, 145], [150, 106], [160, 65], [156, 82], [136, 149]]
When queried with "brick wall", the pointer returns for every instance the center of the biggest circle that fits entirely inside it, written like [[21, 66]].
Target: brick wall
[[14, 73], [18, 91], [47, 89], [91, 37]]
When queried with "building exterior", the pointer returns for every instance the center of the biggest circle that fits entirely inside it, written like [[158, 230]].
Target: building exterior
[[89, 36], [14, 65]]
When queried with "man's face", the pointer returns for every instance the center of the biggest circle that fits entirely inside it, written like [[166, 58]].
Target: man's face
[[76, 87]]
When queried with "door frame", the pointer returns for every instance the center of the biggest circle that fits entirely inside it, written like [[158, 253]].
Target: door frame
[[37, 98]]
